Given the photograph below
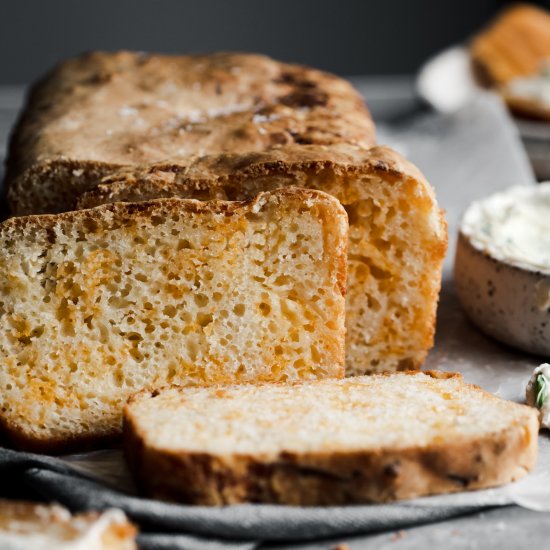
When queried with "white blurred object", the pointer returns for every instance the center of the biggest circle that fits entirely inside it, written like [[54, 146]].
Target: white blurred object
[[446, 81]]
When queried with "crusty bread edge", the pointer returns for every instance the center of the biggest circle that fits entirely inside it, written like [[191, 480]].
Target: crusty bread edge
[[333, 478], [525, 107], [12, 435], [212, 172]]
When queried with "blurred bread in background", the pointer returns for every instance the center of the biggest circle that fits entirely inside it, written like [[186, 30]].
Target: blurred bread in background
[[512, 55]]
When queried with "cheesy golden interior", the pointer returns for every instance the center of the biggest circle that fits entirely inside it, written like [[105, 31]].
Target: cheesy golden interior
[[97, 304]]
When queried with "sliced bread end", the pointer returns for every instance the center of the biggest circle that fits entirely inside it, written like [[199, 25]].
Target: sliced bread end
[[331, 442]]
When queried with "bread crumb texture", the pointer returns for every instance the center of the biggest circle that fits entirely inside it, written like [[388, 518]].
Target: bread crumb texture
[[397, 242], [397, 236], [97, 304], [227, 126], [329, 416]]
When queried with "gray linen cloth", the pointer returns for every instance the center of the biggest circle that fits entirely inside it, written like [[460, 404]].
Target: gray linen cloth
[[241, 526], [465, 156]]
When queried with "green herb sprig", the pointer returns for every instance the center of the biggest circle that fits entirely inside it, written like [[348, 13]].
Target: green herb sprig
[[541, 391]]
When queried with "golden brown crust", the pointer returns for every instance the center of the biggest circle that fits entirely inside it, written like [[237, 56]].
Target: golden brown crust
[[98, 112], [239, 176], [112, 213], [15, 436], [513, 45], [335, 478]]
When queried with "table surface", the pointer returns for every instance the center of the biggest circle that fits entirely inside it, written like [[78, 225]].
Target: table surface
[[392, 101]]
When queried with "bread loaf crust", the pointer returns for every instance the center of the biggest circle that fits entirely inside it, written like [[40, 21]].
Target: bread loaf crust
[[101, 111], [335, 477], [241, 176], [325, 480], [17, 436]]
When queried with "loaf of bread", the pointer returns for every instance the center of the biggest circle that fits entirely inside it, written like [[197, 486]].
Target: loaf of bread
[[330, 442], [100, 111], [29, 526], [397, 233], [97, 304], [228, 126]]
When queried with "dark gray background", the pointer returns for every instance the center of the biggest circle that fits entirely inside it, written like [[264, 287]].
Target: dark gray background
[[344, 36]]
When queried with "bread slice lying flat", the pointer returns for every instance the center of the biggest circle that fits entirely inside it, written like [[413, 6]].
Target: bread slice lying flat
[[397, 239], [99, 111], [29, 526], [97, 304], [362, 439]]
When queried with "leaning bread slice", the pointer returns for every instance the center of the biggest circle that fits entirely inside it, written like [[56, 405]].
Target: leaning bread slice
[[98, 304], [25, 526], [328, 442], [397, 239]]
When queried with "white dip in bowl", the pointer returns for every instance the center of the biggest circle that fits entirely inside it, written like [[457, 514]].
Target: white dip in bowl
[[502, 266]]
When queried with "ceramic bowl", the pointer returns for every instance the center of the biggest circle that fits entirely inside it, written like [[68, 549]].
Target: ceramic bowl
[[505, 290]]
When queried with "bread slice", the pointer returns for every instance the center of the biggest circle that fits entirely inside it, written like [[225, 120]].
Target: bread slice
[[397, 243], [512, 55], [98, 304], [515, 44], [25, 526], [364, 439], [100, 111]]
